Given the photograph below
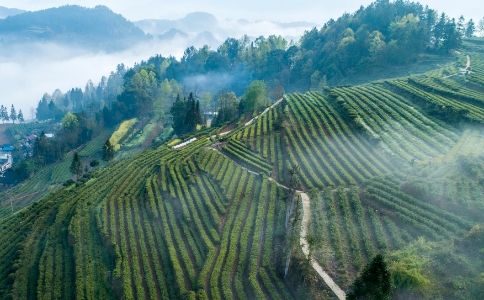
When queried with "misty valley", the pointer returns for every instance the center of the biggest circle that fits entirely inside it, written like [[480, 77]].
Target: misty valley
[[241, 159]]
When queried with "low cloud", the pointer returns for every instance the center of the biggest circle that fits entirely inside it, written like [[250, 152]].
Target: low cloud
[[28, 71]]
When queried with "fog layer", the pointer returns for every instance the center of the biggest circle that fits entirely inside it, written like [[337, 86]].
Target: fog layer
[[28, 71]]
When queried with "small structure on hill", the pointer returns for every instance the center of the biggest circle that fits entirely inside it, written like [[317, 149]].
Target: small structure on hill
[[31, 138], [5, 162], [8, 149]]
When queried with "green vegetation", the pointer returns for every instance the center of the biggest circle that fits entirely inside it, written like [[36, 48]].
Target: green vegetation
[[394, 172], [120, 133], [97, 27]]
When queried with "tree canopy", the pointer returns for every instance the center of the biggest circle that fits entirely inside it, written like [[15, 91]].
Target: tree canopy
[[375, 282], [186, 114], [254, 97], [228, 108]]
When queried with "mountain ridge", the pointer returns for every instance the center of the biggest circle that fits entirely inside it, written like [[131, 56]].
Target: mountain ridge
[[6, 12], [93, 27]]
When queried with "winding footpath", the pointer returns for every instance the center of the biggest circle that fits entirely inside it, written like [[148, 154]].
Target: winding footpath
[[304, 223], [305, 248], [462, 70]]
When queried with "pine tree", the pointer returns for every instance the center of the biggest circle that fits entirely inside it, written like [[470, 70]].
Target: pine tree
[[5, 117], [20, 116], [66, 101], [108, 151], [191, 115], [471, 28], [375, 282], [76, 166], [199, 119], [13, 114], [461, 26], [2, 109]]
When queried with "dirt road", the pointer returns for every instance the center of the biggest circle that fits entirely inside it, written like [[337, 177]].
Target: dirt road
[[305, 221], [305, 248]]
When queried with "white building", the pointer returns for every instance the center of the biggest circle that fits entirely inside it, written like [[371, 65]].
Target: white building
[[5, 162]]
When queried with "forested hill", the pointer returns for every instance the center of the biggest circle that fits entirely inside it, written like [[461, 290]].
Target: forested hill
[[5, 12], [374, 39], [72, 24], [382, 34]]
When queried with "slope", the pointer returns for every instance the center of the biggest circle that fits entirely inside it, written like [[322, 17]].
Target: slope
[[98, 27], [197, 223]]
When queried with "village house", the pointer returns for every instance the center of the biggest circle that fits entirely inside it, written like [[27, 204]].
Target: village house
[[5, 162]]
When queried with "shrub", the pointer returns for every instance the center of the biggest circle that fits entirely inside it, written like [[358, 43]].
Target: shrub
[[94, 163], [415, 187], [69, 182], [119, 134]]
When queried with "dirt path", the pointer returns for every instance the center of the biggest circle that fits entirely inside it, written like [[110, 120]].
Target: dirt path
[[304, 229], [253, 119], [306, 217], [264, 112], [462, 70]]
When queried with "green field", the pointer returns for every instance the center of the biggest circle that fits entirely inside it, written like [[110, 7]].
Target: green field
[[207, 221]]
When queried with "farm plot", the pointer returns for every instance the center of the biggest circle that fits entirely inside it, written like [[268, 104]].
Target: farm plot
[[403, 130]]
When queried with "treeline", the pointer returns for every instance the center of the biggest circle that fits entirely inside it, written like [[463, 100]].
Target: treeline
[[380, 35], [13, 116], [384, 34], [186, 115], [98, 27], [76, 129], [91, 99]]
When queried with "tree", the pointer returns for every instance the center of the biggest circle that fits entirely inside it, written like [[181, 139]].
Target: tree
[[69, 122], [470, 28], [480, 27], [2, 113], [66, 101], [452, 37], [461, 26], [186, 114], [192, 117], [108, 151], [13, 114], [178, 111], [43, 112], [94, 163], [254, 97], [374, 283], [206, 101], [76, 166], [20, 116], [228, 108]]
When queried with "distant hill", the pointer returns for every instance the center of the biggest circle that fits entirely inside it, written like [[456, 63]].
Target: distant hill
[[191, 23], [95, 27], [198, 22], [5, 12]]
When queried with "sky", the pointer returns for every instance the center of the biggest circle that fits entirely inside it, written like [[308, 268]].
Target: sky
[[317, 11], [25, 78]]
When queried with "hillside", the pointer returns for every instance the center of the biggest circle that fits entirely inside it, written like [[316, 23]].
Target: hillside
[[289, 195], [5, 12], [97, 27], [209, 220]]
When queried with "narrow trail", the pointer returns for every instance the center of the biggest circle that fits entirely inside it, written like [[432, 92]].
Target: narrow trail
[[253, 119], [462, 70], [306, 217], [305, 248]]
